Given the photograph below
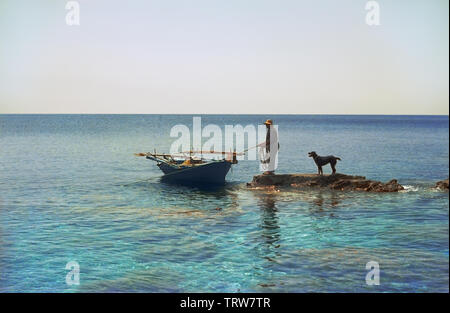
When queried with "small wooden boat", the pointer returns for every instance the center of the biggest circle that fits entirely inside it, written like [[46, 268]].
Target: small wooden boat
[[189, 169]]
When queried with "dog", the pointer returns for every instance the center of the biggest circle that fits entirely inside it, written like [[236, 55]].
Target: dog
[[324, 160]]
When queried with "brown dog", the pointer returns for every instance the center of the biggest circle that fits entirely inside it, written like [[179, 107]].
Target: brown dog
[[324, 160]]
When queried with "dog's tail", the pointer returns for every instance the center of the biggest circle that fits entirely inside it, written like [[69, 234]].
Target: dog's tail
[[338, 159]]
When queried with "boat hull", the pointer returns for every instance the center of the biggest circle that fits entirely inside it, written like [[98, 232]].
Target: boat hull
[[208, 173]]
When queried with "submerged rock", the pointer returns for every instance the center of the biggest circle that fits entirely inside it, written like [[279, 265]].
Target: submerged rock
[[443, 184], [335, 182]]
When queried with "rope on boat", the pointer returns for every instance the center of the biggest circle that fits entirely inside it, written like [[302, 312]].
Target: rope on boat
[[183, 153]]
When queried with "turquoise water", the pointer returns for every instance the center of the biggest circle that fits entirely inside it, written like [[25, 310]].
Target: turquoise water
[[71, 190]]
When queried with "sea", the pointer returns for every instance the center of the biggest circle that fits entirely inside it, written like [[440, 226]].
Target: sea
[[79, 212]]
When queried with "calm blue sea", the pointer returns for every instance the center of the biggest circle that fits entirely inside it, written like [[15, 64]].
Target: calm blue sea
[[72, 190]]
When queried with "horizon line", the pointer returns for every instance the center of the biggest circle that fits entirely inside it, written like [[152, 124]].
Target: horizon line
[[262, 114]]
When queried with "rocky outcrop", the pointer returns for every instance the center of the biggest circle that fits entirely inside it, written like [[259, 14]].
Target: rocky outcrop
[[335, 182], [443, 184]]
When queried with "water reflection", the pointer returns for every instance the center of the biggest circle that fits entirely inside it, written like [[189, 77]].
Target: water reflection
[[324, 203], [270, 229], [198, 197], [331, 201]]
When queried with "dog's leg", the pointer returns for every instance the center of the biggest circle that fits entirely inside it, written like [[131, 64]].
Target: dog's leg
[[333, 165], [333, 168], [320, 170]]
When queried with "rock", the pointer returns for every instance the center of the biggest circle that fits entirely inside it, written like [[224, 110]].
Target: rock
[[443, 184], [335, 182]]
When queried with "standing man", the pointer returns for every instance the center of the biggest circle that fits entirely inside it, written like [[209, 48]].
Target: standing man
[[269, 149]]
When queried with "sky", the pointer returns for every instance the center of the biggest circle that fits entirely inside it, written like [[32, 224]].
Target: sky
[[224, 57]]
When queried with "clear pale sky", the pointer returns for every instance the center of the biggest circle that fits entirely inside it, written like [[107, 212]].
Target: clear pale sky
[[227, 56]]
